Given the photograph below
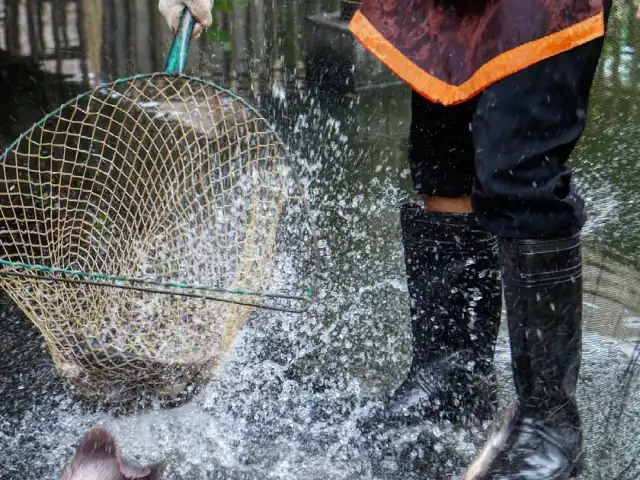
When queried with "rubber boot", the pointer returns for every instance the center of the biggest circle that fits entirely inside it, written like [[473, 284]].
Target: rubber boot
[[454, 286], [543, 295]]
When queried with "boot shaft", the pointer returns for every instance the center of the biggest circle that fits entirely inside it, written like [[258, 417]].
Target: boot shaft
[[543, 295], [453, 280]]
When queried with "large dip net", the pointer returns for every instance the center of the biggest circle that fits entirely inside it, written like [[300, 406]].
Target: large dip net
[[139, 226]]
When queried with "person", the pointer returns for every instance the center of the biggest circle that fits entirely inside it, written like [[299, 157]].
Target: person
[[500, 92], [201, 10]]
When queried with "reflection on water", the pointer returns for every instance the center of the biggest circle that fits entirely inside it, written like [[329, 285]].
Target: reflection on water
[[286, 403]]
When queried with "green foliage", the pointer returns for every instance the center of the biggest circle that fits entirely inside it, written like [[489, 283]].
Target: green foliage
[[216, 33]]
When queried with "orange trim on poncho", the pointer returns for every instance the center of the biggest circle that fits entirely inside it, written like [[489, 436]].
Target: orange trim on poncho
[[503, 65]]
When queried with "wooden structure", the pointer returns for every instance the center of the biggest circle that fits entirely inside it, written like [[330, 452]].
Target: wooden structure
[[115, 38]]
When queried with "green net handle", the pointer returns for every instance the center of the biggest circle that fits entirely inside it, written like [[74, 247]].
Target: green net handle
[[180, 48]]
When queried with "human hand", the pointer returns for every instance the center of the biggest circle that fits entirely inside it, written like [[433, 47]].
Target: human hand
[[171, 10]]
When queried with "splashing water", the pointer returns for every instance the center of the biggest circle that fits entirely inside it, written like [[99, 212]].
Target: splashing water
[[288, 397]]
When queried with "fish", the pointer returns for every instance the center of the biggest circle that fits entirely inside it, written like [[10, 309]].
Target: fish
[[497, 441], [97, 458]]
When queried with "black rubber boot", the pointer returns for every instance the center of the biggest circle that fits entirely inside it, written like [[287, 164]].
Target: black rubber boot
[[454, 286], [543, 294]]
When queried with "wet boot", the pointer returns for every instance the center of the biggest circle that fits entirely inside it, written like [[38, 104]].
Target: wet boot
[[543, 294], [454, 285]]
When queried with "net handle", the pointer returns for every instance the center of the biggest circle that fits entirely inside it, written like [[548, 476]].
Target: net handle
[[180, 48]]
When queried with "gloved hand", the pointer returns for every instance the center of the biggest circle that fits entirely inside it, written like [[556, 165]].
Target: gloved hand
[[171, 10]]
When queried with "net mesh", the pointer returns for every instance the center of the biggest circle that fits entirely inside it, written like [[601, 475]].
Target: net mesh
[[611, 293], [158, 177]]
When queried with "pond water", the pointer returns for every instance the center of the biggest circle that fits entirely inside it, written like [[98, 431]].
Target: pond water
[[288, 398]]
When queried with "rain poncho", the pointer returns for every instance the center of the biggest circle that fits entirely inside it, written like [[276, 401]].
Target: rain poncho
[[449, 51]]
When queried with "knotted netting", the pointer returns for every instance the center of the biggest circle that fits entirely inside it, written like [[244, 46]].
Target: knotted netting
[[165, 179]]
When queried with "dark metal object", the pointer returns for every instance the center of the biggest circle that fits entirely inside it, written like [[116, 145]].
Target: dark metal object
[[348, 9]]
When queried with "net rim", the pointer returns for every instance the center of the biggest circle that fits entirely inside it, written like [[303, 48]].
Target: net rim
[[145, 76]]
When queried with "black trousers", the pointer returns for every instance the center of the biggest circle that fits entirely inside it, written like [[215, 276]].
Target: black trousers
[[508, 147]]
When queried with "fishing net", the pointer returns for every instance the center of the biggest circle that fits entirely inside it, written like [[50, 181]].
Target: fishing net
[[166, 188]]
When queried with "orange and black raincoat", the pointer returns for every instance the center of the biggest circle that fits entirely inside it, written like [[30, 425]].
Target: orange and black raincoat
[[450, 50]]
